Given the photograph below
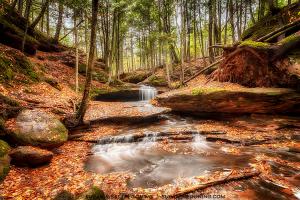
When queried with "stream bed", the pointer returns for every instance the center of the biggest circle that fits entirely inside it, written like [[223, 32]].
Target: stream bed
[[158, 159]]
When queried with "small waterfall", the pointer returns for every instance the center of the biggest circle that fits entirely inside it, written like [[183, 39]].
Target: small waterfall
[[147, 93]]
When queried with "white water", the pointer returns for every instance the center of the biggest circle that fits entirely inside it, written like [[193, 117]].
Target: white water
[[147, 93]]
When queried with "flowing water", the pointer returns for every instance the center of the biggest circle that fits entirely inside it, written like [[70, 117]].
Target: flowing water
[[147, 92], [144, 152]]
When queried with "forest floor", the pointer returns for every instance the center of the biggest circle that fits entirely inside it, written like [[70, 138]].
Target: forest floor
[[67, 169]]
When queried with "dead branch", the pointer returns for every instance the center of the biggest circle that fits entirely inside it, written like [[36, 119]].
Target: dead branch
[[201, 71], [214, 183], [71, 30]]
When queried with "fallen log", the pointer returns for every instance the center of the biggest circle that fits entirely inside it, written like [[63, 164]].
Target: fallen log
[[280, 30], [245, 142], [229, 178], [201, 71]]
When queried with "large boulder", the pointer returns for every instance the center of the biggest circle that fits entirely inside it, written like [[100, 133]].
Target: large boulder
[[30, 156], [4, 159], [199, 101], [38, 128]]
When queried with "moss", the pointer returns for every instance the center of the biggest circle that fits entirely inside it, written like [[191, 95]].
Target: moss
[[2, 126], [5, 170], [100, 76], [53, 83], [6, 72], [4, 148], [62, 130], [64, 195], [12, 62], [8, 100], [94, 194], [26, 67], [98, 91], [157, 81], [136, 77], [271, 22], [254, 44], [201, 91], [82, 68], [290, 38]]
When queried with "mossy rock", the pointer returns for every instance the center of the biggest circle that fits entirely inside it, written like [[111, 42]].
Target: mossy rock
[[93, 194], [136, 77], [4, 159], [64, 195], [157, 81], [198, 101], [38, 128], [54, 83]]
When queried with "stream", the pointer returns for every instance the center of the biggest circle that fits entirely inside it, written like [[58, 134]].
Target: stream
[[156, 160]]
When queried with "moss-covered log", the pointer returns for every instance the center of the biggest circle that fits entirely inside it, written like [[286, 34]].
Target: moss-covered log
[[12, 28], [200, 101], [259, 64]]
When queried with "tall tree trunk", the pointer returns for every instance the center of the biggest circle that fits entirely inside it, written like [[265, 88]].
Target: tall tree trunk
[[59, 21], [48, 21], [41, 14], [85, 99], [27, 9], [210, 30], [226, 19], [27, 13], [195, 29], [251, 11], [20, 6], [86, 39], [76, 51], [231, 20]]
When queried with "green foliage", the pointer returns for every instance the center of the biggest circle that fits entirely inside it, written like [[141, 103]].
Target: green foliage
[[201, 91]]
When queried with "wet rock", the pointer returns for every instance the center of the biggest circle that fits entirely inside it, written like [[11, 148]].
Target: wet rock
[[38, 128], [4, 159], [93, 194], [30, 156], [221, 100]]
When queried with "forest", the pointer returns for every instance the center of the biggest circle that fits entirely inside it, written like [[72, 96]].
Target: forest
[[149, 99]]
